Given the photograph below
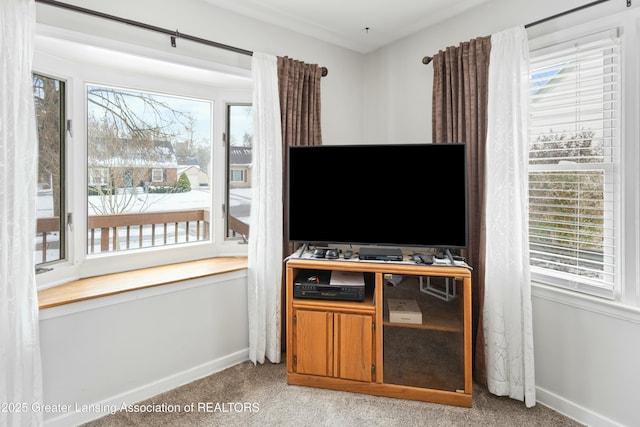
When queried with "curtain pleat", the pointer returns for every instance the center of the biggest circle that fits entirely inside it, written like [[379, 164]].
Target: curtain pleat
[[299, 89], [459, 114], [20, 360]]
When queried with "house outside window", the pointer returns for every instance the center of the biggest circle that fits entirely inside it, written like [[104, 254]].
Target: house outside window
[[574, 139]]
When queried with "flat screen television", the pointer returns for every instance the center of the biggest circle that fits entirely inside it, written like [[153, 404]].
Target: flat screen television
[[403, 195]]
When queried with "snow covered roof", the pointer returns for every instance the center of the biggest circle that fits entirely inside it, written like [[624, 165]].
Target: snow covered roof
[[124, 152]]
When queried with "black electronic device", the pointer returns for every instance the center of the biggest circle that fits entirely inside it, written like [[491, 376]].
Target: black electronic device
[[317, 284], [319, 253], [423, 259], [332, 254], [399, 195], [380, 254], [427, 259]]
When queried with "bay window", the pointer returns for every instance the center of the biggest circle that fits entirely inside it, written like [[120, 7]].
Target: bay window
[[141, 178]]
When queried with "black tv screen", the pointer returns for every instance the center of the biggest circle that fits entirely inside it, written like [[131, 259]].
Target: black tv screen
[[405, 195]]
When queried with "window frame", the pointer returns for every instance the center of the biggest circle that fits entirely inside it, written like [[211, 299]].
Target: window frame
[[189, 81], [627, 290], [63, 216], [230, 172], [608, 167]]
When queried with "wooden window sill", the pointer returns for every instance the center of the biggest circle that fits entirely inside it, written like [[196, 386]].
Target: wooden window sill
[[117, 283]]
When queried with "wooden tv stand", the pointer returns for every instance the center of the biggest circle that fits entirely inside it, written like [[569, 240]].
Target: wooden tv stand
[[353, 346]]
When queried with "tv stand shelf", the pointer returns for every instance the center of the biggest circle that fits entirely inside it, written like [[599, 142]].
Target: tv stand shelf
[[353, 346]]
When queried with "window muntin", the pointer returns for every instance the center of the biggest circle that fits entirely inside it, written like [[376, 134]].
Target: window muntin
[[239, 161], [573, 144], [141, 139], [49, 99]]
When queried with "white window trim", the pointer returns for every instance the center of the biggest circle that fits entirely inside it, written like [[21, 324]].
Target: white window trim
[[576, 282], [604, 307], [627, 294], [190, 73]]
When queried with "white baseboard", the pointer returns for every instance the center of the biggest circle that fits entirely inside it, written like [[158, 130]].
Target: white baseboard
[[86, 413], [570, 409]]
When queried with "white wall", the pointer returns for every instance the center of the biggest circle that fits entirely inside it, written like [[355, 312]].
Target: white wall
[[586, 357], [132, 346], [586, 350]]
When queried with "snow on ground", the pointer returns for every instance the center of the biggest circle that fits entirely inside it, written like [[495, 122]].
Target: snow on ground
[[197, 198]]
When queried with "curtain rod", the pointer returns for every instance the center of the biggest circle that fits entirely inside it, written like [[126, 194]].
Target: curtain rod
[[428, 59], [173, 34]]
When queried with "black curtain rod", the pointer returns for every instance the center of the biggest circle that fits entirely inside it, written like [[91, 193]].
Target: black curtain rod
[[428, 59], [173, 34], [576, 9]]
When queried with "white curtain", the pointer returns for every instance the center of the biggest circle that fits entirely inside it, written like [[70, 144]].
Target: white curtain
[[507, 306], [20, 367], [265, 232]]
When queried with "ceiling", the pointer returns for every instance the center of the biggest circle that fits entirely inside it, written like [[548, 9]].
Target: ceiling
[[360, 25]]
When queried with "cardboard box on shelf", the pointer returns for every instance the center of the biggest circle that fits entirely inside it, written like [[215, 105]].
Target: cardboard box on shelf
[[404, 311]]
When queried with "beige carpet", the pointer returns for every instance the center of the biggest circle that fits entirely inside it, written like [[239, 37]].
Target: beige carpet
[[248, 395]]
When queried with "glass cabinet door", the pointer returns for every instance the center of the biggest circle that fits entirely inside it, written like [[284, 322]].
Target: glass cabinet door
[[423, 335]]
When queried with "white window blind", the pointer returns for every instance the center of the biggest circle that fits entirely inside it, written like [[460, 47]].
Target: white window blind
[[573, 140]]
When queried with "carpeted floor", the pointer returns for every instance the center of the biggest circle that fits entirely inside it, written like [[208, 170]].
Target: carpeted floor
[[248, 395]]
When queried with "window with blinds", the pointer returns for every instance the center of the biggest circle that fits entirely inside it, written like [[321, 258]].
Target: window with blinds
[[573, 140]]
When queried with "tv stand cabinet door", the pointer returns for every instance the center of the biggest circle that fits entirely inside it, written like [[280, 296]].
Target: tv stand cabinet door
[[313, 342], [354, 347]]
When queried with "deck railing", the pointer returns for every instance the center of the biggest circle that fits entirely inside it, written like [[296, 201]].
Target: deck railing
[[107, 233], [45, 227]]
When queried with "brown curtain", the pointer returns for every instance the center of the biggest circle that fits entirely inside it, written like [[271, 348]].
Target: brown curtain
[[459, 114], [299, 87]]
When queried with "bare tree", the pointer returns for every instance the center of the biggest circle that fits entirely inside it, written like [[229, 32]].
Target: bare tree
[[128, 132], [137, 115]]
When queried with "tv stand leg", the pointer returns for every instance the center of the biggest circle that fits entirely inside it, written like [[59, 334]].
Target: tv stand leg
[[305, 246], [450, 256]]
